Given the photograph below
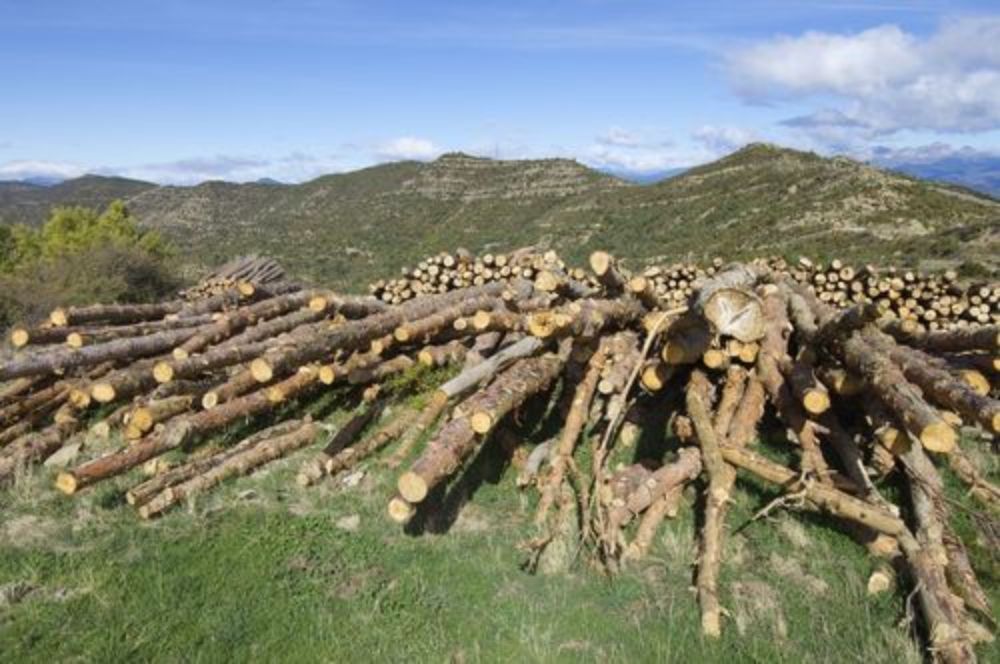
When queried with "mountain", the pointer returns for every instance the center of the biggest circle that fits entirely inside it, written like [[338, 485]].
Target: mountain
[[30, 203], [976, 170], [350, 228]]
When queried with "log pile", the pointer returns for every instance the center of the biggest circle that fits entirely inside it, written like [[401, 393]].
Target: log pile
[[245, 272], [864, 401], [926, 301]]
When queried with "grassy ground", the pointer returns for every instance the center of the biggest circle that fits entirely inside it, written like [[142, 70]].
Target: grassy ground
[[263, 570]]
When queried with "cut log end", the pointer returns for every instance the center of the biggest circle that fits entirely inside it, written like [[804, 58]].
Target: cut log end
[[426, 358], [75, 340], [938, 437], [103, 392], [80, 399], [261, 370], [19, 337], [399, 510], [180, 354], [163, 372], [600, 262], [481, 422], [327, 374], [977, 381], [67, 483], [816, 401], [412, 487], [654, 377], [481, 320], [401, 334], [318, 304], [59, 317], [210, 400]]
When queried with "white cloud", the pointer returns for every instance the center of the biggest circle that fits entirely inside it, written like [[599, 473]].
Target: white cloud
[[293, 167], [622, 138], [408, 148], [884, 79], [33, 168], [721, 140]]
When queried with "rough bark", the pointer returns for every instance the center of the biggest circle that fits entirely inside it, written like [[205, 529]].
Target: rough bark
[[63, 360], [241, 463], [458, 439], [181, 432]]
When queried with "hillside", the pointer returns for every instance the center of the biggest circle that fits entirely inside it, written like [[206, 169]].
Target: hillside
[[22, 202], [349, 228]]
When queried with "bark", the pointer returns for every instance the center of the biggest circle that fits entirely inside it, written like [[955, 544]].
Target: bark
[[575, 421], [606, 269], [584, 318], [235, 321], [688, 337], [119, 314], [145, 417], [773, 355], [663, 480], [349, 457], [426, 328], [900, 396], [979, 487], [241, 463], [939, 385], [960, 340], [698, 408], [428, 416], [804, 385], [144, 492], [458, 439], [928, 559], [181, 432], [355, 335], [34, 448], [439, 356], [826, 498], [70, 359]]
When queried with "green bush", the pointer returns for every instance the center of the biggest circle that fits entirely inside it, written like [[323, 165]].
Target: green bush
[[80, 256]]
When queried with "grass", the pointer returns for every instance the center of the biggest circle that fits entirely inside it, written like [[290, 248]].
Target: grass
[[265, 570]]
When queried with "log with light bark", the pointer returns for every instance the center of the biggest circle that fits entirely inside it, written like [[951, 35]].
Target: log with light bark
[[145, 491], [180, 432], [460, 437], [240, 463]]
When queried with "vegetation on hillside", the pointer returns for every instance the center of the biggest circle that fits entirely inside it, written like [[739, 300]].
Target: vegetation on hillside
[[346, 230], [80, 255]]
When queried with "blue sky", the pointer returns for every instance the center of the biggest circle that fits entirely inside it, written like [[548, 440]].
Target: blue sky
[[185, 91]]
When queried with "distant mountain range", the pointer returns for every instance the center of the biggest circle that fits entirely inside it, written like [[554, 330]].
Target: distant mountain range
[[975, 170], [350, 228]]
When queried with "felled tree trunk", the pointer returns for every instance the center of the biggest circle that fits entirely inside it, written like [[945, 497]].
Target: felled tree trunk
[[458, 439], [240, 463]]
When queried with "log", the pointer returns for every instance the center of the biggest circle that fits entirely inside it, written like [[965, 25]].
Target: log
[[69, 359], [576, 420], [349, 457], [181, 432], [241, 463], [145, 491], [606, 269], [458, 439], [698, 401], [729, 305], [119, 314]]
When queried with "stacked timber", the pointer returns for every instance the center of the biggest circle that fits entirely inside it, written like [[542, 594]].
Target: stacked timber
[[928, 301], [245, 273], [865, 401]]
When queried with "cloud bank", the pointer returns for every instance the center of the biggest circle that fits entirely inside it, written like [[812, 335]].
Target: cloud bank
[[883, 80]]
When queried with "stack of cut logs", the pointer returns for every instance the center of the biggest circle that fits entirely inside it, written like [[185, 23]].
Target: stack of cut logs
[[931, 301], [865, 402], [447, 272], [244, 273]]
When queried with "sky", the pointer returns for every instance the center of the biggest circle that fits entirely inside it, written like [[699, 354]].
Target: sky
[[183, 91]]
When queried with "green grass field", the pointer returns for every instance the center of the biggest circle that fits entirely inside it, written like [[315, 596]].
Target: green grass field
[[264, 570]]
